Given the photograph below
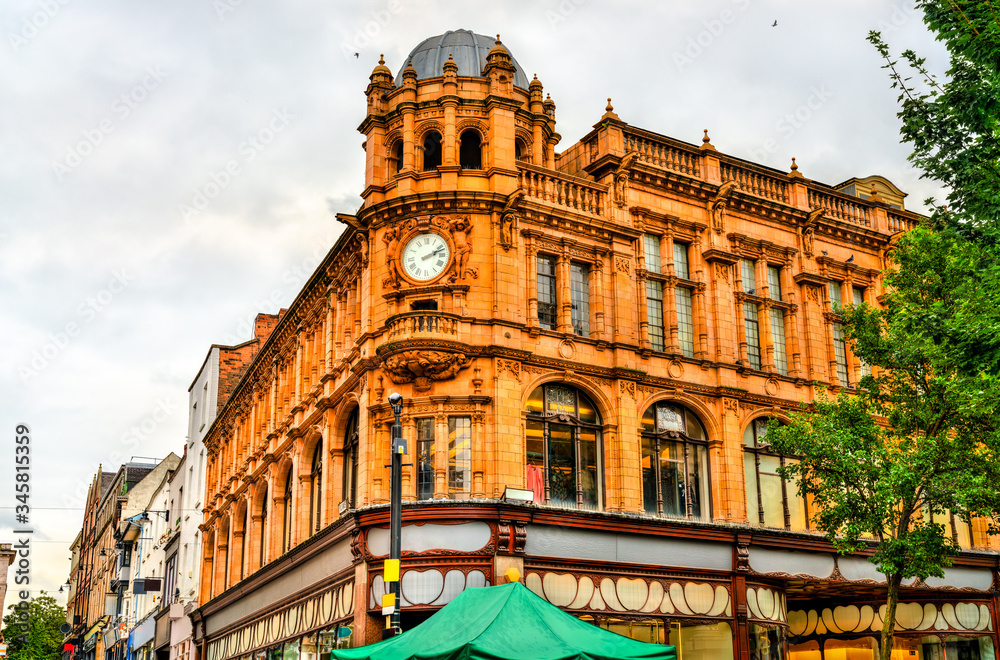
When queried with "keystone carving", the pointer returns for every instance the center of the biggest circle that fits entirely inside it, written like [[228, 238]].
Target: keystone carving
[[420, 367]]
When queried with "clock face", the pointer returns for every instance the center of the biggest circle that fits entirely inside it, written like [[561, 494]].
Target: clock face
[[425, 256]]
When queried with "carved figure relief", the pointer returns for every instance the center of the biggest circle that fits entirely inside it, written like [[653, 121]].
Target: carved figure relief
[[362, 246], [460, 229], [719, 216], [807, 241], [420, 366], [391, 240], [621, 179], [508, 220]]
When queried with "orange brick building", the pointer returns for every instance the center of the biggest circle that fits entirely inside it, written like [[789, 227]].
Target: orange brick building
[[607, 327]]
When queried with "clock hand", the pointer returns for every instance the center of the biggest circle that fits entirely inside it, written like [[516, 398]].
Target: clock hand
[[431, 254]]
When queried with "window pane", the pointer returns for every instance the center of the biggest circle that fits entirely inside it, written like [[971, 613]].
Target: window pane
[[796, 504], [547, 292], [672, 482], [774, 282], [840, 353], [648, 475], [834, 293], [534, 440], [580, 293], [693, 426], [651, 246], [425, 458], [753, 334], [561, 399], [859, 295], [778, 340], [589, 461], [770, 491], [766, 642], [681, 268], [562, 466], [534, 404], [685, 322], [459, 457], [669, 418], [654, 313], [699, 482], [588, 413], [750, 475], [649, 420], [747, 274]]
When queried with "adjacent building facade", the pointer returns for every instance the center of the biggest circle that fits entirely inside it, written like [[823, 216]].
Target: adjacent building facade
[[606, 330]]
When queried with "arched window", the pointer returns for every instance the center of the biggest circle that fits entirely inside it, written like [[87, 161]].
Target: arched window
[[350, 490], [563, 441], [432, 151], [470, 150], [521, 150], [675, 479], [263, 530], [771, 501], [245, 544], [395, 157], [316, 488], [286, 517]]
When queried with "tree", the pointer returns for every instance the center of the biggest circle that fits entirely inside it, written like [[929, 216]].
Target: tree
[[921, 437], [32, 632]]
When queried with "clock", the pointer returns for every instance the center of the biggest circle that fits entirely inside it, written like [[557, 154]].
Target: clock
[[425, 256]]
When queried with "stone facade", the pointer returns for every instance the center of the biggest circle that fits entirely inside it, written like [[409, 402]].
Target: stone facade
[[600, 326]]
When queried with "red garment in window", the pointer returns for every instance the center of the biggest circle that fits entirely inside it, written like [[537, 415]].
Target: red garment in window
[[536, 482]]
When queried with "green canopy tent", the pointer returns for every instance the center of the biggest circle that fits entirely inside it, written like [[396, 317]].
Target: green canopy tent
[[507, 622]]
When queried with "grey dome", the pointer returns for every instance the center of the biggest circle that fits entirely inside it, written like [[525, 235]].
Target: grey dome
[[469, 51]]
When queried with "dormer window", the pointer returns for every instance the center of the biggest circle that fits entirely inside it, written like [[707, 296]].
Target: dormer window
[[432, 151], [470, 152]]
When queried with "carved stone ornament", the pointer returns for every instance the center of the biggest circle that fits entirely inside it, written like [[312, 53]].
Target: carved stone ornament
[[808, 230], [623, 265], [621, 179], [813, 294], [508, 220], [511, 366], [391, 240], [719, 205], [460, 228], [731, 406], [421, 366], [361, 244], [627, 387]]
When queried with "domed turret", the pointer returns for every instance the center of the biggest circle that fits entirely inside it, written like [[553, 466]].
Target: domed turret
[[470, 51]]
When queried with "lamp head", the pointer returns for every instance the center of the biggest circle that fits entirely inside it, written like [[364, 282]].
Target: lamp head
[[396, 401]]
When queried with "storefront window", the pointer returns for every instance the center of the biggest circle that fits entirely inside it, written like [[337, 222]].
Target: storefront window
[[865, 648], [713, 641], [290, 650], [805, 651], [651, 631], [308, 650], [767, 642]]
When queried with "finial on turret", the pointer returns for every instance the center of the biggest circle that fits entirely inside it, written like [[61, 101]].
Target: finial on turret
[[706, 139], [609, 108], [795, 168], [794, 173], [706, 142]]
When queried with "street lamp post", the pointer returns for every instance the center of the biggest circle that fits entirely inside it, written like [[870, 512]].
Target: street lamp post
[[396, 497]]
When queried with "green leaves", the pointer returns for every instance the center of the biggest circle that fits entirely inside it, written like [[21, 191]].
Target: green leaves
[[41, 640]]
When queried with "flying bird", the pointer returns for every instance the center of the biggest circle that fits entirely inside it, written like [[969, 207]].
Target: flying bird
[[775, 23], [356, 55]]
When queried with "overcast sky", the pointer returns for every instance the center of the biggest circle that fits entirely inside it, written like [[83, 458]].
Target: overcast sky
[[117, 113]]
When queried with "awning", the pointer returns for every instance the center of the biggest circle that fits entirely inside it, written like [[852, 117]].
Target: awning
[[510, 622]]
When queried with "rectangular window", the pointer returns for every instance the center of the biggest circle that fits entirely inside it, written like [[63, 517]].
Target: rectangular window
[[547, 292], [840, 353], [685, 323], [753, 334], [747, 275], [864, 369], [651, 245], [778, 339], [654, 313], [835, 294], [459, 457], [774, 282], [681, 268], [425, 458], [579, 281]]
